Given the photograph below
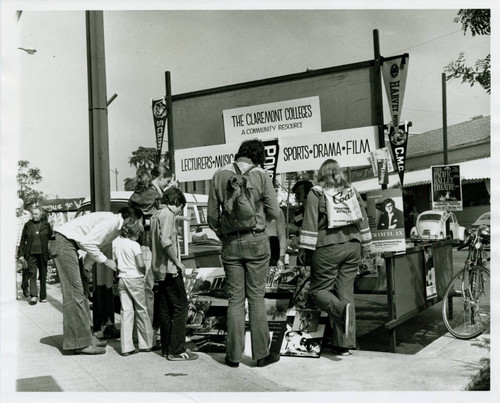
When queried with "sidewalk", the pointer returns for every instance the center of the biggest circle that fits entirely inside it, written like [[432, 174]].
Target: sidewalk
[[446, 364]]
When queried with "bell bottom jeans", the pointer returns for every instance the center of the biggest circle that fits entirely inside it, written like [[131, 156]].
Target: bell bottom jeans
[[246, 263], [333, 271], [77, 322]]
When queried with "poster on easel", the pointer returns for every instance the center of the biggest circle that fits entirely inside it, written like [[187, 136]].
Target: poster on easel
[[386, 218]]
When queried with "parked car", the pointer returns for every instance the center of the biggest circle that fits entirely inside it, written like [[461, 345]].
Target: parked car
[[482, 219], [431, 226]]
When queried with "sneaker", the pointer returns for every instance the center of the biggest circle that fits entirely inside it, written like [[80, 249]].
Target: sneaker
[[230, 363], [33, 301], [187, 355], [91, 350], [348, 319], [130, 353], [341, 351], [270, 359], [43, 301]]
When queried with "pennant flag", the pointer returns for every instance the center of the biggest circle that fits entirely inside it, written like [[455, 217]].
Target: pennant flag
[[159, 120], [271, 148], [394, 72], [399, 141]]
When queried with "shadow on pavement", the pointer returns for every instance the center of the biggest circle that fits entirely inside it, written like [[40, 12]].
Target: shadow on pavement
[[37, 384]]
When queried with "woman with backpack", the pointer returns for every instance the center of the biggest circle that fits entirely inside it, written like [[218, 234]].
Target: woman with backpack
[[336, 228]]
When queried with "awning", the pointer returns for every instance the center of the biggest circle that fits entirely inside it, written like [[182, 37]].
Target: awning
[[473, 170]]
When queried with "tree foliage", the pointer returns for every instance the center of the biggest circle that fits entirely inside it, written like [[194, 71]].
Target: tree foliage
[[27, 177], [477, 21], [143, 158]]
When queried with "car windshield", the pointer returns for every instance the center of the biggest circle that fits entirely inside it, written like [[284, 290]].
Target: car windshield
[[430, 217]]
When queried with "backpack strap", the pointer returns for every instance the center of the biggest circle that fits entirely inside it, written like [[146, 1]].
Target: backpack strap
[[237, 168]]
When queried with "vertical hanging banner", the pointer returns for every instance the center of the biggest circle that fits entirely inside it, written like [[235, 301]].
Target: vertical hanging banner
[[159, 119], [394, 71], [272, 149], [399, 141], [446, 188]]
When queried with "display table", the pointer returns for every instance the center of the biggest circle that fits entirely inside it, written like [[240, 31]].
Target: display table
[[403, 279]]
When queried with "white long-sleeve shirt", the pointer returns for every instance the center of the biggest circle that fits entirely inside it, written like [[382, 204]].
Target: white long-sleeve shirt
[[92, 232]]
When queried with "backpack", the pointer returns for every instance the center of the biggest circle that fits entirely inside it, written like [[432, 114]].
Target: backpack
[[238, 207], [342, 207]]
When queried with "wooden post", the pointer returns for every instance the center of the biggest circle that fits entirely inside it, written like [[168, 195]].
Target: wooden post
[[103, 312], [445, 120], [379, 107], [170, 132]]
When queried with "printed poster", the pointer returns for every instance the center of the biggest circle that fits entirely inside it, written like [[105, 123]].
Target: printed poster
[[430, 274], [292, 117], [304, 333], [386, 219], [446, 188]]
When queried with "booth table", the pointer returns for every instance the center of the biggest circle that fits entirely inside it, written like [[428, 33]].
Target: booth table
[[403, 280]]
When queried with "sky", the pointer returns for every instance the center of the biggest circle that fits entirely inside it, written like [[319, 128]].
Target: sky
[[47, 121]]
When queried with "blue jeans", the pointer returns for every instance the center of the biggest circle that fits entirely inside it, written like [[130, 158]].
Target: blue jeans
[[246, 262], [333, 271], [77, 322], [172, 315]]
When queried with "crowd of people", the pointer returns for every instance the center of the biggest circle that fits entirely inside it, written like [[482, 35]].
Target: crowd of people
[[243, 211]]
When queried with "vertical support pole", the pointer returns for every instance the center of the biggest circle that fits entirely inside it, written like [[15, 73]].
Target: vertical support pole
[[445, 120], [170, 132], [391, 303], [103, 312], [377, 84]]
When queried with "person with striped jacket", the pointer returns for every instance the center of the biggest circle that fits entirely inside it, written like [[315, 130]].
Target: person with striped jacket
[[337, 254]]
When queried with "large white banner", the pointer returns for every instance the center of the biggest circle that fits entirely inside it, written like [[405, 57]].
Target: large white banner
[[200, 163], [350, 148], [266, 121]]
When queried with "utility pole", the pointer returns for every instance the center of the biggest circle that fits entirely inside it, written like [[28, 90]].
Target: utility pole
[[103, 310], [445, 120], [116, 177]]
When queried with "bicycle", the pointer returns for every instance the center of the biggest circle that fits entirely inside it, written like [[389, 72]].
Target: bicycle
[[466, 302]]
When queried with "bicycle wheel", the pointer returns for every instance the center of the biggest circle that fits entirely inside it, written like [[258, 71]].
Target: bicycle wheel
[[466, 303]]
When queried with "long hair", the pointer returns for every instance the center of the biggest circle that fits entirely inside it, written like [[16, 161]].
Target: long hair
[[331, 176], [131, 228]]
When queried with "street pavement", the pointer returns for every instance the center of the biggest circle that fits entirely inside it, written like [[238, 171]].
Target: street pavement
[[427, 359]]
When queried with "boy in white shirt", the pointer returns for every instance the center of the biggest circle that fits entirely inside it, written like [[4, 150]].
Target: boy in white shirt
[[131, 268]]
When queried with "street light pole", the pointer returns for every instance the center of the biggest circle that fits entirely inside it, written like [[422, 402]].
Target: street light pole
[[116, 177]]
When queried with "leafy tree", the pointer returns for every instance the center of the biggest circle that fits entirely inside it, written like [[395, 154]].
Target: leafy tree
[[26, 178], [478, 22], [143, 157]]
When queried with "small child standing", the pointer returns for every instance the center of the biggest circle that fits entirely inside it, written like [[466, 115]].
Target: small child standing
[[131, 268]]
